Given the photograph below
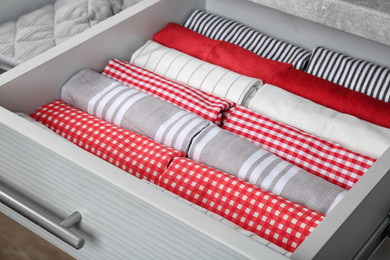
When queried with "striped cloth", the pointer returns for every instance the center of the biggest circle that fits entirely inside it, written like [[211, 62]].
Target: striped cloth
[[193, 100], [196, 73], [128, 151], [326, 159], [133, 110], [351, 132], [271, 217], [228, 152], [220, 28], [355, 74]]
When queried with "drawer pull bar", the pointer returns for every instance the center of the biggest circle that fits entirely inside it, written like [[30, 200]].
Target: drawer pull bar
[[59, 230]]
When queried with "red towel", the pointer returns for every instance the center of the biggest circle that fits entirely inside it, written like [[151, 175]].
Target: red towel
[[326, 159], [271, 217], [131, 152], [224, 54], [191, 99], [334, 96]]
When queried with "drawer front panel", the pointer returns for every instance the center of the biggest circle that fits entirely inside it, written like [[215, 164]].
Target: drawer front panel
[[133, 221], [115, 224]]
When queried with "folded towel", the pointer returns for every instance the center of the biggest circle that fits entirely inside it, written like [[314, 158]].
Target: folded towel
[[355, 74], [224, 54], [220, 28], [351, 132], [232, 154], [271, 217], [323, 158], [190, 99], [128, 151], [196, 73], [133, 110], [335, 96]]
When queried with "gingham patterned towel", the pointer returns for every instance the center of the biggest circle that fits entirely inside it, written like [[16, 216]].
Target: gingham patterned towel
[[224, 29], [233, 154], [351, 132], [196, 73], [188, 98], [323, 158], [271, 217], [128, 151], [133, 110]]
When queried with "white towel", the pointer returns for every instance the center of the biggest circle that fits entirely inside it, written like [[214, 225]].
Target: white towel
[[196, 73], [351, 132]]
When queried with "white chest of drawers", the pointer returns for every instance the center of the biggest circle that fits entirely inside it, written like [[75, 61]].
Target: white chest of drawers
[[123, 217]]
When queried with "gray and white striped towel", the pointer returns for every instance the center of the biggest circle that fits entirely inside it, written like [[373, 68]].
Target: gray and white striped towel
[[132, 109], [351, 132], [196, 73], [232, 154]]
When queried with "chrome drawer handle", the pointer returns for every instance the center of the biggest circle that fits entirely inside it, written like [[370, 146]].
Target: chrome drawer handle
[[59, 230]]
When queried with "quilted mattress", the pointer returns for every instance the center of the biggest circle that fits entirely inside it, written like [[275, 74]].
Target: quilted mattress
[[48, 26]]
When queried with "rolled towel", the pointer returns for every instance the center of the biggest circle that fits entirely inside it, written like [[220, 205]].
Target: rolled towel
[[128, 151], [351, 132], [191, 99], [334, 96], [271, 217], [196, 73], [232, 154], [316, 155], [356, 74], [224, 54], [133, 110], [221, 28]]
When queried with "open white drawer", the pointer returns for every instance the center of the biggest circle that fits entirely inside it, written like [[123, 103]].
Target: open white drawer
[[124, 217]]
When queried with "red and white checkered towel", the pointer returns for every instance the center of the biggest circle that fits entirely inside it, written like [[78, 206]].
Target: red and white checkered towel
[[191, 99], [271, 217], [133, 153], [313, 154]]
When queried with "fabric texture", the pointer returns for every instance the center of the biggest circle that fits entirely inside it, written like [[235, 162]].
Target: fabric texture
[[190, 99], [224, 29], [128, 151], [228, 152], [221, 53], [133, 110], [355, 74], [318, 156], [351, 132], [272, 217], [334, 96], [196, 73], [50, 25]]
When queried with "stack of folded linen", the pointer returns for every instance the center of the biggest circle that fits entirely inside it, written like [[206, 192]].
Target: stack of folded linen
[[202, 120]]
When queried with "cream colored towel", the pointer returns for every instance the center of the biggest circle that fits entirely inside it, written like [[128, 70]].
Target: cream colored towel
[[351, 132], [196, 73]]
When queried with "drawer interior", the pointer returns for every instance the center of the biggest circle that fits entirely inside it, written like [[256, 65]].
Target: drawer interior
[[38, 82]]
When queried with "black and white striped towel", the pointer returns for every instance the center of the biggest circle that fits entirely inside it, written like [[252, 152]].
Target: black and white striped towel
[[355, 74], [232, 154], [220, 28], [131, 109], [185, 69]]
